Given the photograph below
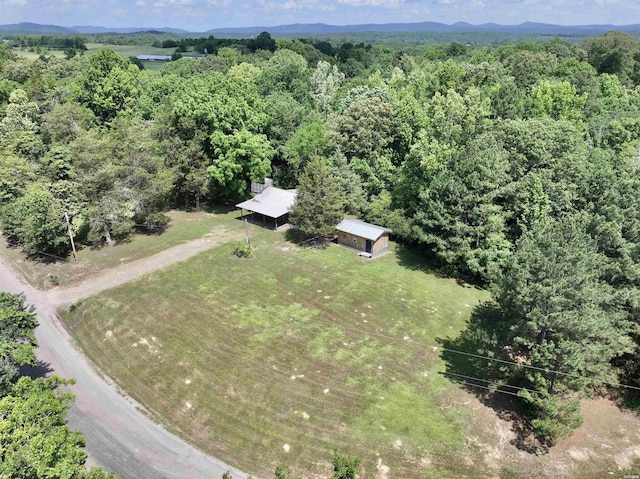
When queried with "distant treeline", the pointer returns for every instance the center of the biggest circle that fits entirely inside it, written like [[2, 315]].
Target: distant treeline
[[56, 42], [211, 45]]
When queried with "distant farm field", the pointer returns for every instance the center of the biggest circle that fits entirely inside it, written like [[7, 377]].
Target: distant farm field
[[34, 55], [123, 50], [130, 50]]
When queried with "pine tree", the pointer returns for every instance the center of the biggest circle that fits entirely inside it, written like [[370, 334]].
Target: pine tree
[[319, 204], [565, 318]]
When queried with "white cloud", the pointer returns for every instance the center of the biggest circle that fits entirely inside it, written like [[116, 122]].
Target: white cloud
[[173, 3], [296, 5], [372, 3]]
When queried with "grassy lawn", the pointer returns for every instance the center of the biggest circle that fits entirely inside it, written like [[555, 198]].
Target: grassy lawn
[[183, 227], [299, 349]]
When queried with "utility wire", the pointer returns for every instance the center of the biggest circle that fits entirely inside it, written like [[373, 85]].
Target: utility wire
[[493, 383], [560, 373], [487, 387], [502, 361]]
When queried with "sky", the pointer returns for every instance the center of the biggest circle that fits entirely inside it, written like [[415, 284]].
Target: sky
[[202, 15]]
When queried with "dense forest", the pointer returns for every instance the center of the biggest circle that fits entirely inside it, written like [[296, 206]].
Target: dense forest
[[516, 167]]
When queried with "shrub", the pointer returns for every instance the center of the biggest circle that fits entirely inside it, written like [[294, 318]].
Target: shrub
[[157, 222], [243, 250]]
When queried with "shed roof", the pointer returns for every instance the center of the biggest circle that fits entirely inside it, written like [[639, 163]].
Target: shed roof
[[154, 57], [362, 229], [272, 202]]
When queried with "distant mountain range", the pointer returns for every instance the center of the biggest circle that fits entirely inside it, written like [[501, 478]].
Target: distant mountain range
[[527, 27], [321, 28], [91, 29], [35, 28], [26, 27]]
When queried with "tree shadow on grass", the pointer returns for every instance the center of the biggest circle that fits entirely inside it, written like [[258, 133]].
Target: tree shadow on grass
[[493, 382], [417, 258], [302, 239], [43, 258], [218, 208]]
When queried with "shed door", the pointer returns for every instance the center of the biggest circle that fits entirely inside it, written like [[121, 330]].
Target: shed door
[[369, 246]]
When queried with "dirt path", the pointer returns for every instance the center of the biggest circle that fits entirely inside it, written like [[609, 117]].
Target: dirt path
[[124, 273], [120, 436]]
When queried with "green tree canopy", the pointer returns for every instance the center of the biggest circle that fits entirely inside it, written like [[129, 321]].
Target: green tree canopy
[[108, 85], [239, 159], [17, 340], [614, 53], [35, 221]]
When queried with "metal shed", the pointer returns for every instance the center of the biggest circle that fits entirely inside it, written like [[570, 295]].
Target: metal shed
[[154, 58], [369, 238]]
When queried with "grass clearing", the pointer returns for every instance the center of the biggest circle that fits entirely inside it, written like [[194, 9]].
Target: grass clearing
[[297, 352], [314, 349], [184, 227]]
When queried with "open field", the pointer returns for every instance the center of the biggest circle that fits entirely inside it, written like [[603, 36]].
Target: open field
[[297, 352], [123, 50], [183, 227], [130, 50], [34, 55]]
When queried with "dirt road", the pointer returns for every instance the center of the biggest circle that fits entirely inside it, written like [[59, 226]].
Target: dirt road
[[120, 435]]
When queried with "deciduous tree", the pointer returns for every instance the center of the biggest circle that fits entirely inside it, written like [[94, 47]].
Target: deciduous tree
[[109, 84]]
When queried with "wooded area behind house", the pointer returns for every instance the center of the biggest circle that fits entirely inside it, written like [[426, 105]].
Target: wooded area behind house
[[515, 167]]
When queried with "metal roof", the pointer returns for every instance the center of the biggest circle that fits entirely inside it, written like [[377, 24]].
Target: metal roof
[[362, 229], [272, 202], [164, 58]]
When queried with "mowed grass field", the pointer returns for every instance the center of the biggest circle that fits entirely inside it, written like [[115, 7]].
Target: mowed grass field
[[129, 50], [184, 227], [122, 50], [291, 355]]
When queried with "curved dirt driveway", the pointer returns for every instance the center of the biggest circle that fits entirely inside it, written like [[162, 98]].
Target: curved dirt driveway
[[119, 435]]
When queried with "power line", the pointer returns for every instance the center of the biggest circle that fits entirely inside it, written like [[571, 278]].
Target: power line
[[488, 388], [503, 361], [492, 383], [560, 373], [512, 363]]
